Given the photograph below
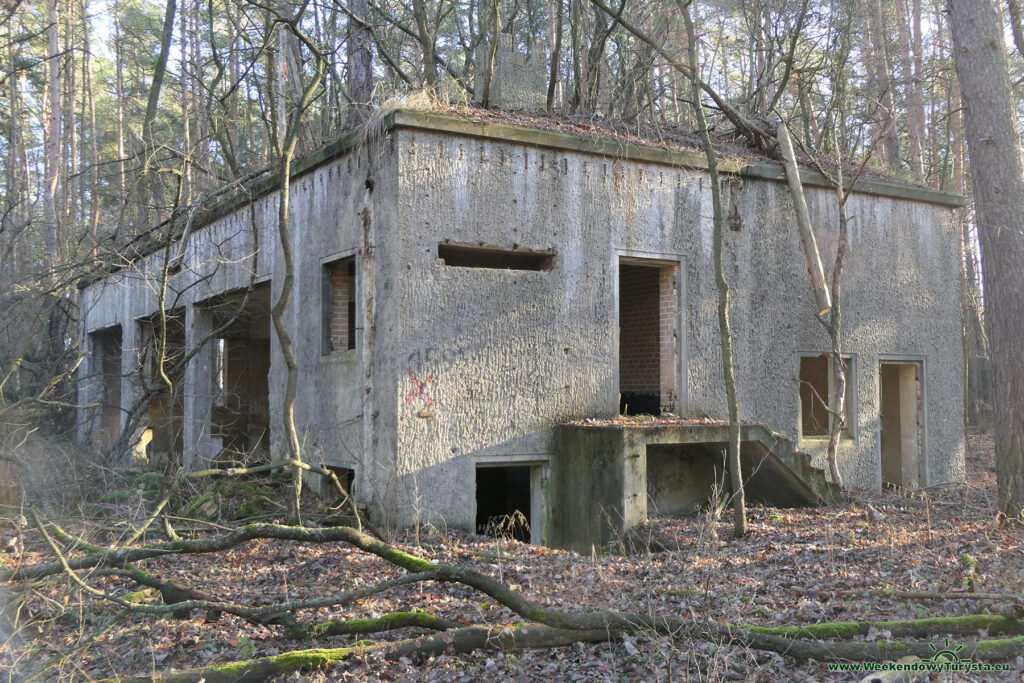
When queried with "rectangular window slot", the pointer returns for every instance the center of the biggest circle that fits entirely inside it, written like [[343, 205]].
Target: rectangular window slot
[[346, 476], [220, 365], [339, 305], [463, 256]]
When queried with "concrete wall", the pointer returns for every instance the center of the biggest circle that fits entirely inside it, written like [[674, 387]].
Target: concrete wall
[[326, 209], [490, 360]]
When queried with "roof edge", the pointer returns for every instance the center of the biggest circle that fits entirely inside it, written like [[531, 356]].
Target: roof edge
[[503, 132]]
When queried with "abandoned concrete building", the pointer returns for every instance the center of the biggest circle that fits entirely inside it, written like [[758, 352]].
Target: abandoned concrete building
[[477, 301]]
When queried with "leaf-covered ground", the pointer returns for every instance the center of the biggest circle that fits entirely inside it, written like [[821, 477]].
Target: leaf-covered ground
[[797, 566]]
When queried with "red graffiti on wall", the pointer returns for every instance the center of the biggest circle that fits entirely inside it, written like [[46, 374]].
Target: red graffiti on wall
[[419, 389]]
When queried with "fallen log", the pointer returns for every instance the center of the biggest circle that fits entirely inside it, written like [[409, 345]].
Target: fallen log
[[388, 622], [913, 628], [468, 639]]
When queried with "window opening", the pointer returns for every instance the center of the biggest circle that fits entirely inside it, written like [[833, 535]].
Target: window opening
[[339, 305], [107, 361], [220, 364], [817, 393], [465, 256]]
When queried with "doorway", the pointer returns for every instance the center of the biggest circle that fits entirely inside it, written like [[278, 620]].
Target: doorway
[[165, 353], [648, 320], [901, 421], [240, 411], [106, 349]]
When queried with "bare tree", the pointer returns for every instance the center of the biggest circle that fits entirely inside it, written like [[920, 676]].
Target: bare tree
[[724, 328]]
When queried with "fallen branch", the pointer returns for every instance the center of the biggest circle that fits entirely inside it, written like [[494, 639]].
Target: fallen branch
[[556, 627], [182, 598], [929, 595], [388, 622], [973, 623], [469, 639], [120, 558]]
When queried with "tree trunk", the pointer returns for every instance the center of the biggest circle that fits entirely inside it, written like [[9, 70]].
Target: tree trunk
[[360, 66], [997, 172], [419, 13], [879, 65], [286, 150], [724, 328], [52, 131], [1016, 25], [556, 52], [815, 269], [159, 70], [119, 85], [910, 69], [94, 154]]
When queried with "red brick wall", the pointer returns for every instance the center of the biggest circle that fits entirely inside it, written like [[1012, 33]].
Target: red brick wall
[[342, 293], [639, 322]]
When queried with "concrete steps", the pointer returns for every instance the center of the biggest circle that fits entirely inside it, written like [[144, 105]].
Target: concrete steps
[[797, 461]]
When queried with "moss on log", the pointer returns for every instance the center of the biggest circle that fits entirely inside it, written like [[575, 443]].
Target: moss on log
[[970, 624], [388, 622], [466, 639]]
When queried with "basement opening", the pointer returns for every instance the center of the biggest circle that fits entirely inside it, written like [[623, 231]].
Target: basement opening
[[240, 414], [106, 349], [466, 256], [902, 426], [648, 324], [346, 476], [503, 501]]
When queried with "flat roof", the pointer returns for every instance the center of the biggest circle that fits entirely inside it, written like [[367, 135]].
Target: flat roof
[[639, 149], [505, 127]]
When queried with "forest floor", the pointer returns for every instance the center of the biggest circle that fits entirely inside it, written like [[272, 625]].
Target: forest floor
[[795, 567]]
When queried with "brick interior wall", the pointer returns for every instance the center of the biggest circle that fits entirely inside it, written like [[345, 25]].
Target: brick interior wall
[[639, 325], [342, 296]]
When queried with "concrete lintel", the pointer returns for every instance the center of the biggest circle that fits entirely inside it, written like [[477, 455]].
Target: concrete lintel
[[512, 459]]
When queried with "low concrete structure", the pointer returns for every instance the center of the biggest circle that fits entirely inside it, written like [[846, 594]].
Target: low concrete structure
[[465, 287]]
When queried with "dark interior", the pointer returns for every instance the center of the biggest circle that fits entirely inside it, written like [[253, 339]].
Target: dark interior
[[501, 493]]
